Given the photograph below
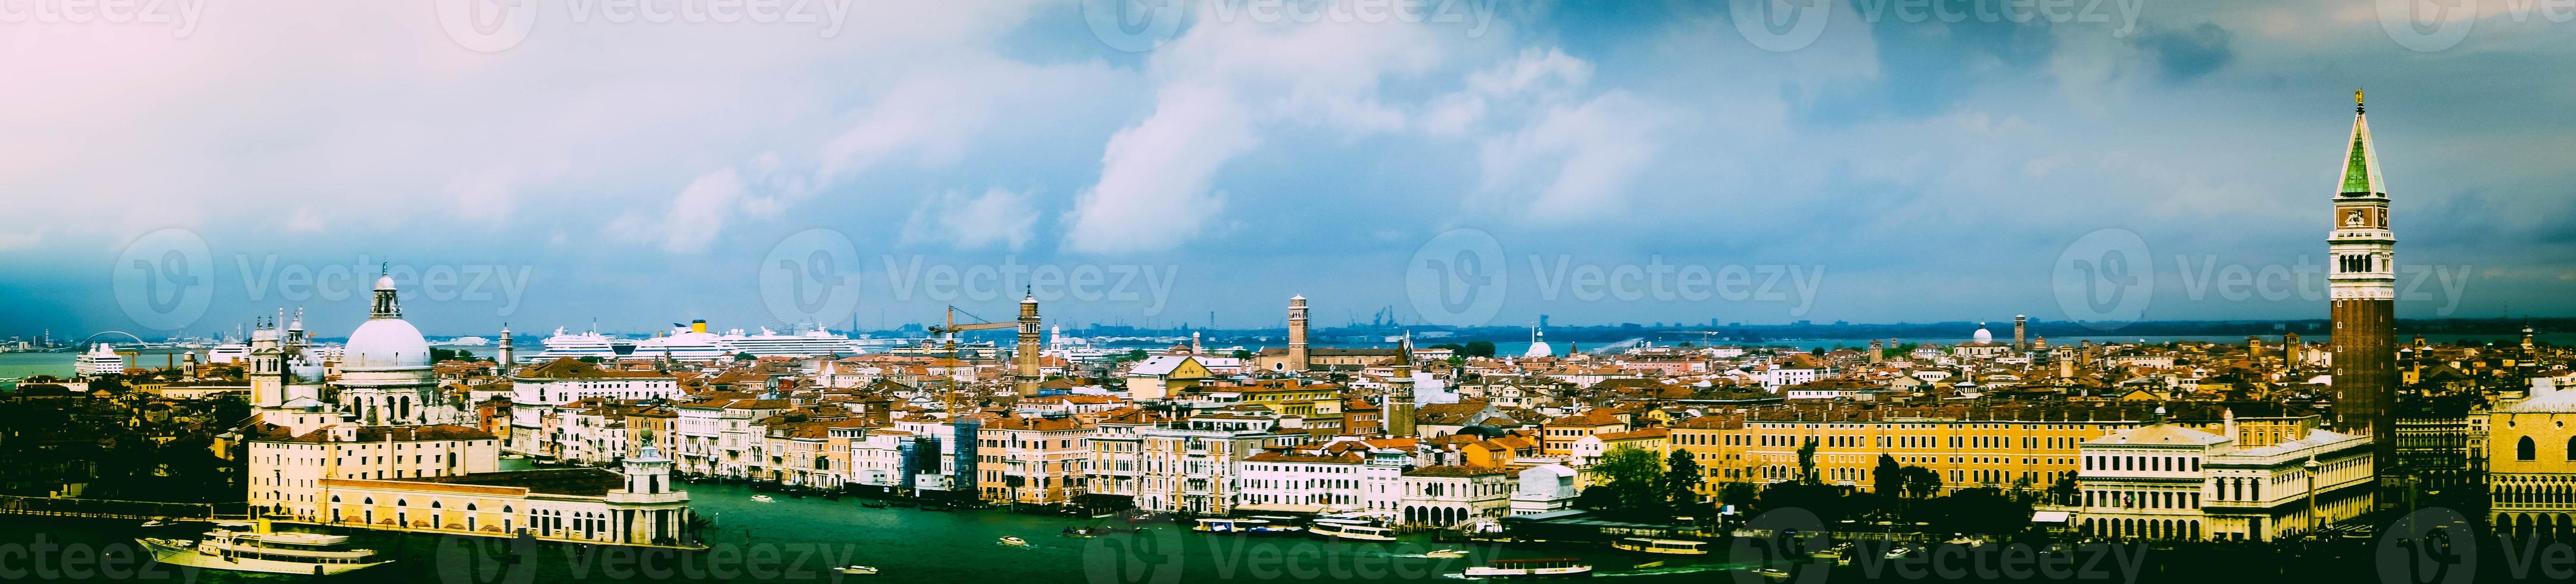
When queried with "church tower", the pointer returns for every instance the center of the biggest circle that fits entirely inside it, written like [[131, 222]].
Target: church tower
[[1297, 334], [1024, 360], [1399, 394], [2363, 288]]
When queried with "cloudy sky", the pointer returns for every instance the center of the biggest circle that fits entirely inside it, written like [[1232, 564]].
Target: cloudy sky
[[1457, 162]]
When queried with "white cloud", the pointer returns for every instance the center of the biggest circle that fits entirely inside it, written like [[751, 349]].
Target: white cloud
[[999, 216], [1574, 162], [692, 221]]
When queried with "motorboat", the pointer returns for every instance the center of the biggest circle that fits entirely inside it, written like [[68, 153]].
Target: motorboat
[[1348, 529], [857, 569], [763, 499], [261, 550], [1531, 568], [1662, 546], [1445, 553], [1014, 541]]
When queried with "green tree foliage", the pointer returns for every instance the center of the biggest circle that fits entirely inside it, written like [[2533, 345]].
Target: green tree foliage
[[1807, 461], [1682, 477], [1921, 483], [1478, 349], [745, 357], [1634, 477]]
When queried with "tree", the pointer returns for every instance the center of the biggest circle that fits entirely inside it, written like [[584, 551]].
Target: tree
[[1921, 483], [1241, 354], [745, 357], [1887, 480], [2064, 490], [1737, 493], [1479, 349], [1807, 461], [1682, 477], [1634, 477]]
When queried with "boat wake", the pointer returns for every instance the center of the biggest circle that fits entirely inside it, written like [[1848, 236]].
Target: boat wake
[[1670, 570]]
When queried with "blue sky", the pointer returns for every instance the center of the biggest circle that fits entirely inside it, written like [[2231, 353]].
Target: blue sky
[[1868, 161]]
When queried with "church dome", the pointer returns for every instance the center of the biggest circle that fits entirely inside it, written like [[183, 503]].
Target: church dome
[[1984, 336], [385, 343]]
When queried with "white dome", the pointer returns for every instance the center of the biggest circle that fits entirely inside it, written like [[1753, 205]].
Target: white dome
[[385, 343], [1540, 349], [1982, 335]]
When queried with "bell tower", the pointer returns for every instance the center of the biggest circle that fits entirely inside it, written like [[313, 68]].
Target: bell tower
[[2363, 289]]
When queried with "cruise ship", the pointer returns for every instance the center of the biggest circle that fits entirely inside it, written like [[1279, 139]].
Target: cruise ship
[[100, 360], [228, 353], [692, 342]]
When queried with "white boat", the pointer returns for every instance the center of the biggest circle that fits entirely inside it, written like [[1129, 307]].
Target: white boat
[[1773, 573], [1350, 530], [100, 360], [1445, 553], [156, 523], [1252, 526], [763, 499], [1535, 568], [1014, 541], [1662, 546], [263, 551], [856, 569], [804, 342]]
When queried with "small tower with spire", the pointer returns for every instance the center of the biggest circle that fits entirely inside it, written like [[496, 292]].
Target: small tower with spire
[[1399, 395]]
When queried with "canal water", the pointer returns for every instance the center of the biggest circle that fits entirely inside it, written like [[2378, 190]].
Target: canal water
[[801, 540]]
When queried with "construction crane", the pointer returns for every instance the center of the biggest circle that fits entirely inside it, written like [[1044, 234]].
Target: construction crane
[[950, 329]]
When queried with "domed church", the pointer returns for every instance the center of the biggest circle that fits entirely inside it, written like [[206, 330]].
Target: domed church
[[385, 376]]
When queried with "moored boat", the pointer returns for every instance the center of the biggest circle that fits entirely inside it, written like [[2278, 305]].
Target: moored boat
[[263, 551], [763, 499], [1662, 546], [1350, 530], [1531, 568]]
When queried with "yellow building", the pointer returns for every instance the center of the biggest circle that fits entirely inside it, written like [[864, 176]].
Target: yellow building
[[2531, 464], [1164, 376]]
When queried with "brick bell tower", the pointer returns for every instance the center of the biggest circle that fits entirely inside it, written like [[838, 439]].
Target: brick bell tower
[[2363, 288]]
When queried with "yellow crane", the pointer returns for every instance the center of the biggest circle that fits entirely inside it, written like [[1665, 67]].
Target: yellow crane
[[950, 329]]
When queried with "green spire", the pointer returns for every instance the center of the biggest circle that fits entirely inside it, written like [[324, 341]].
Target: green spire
[[2361, 162]]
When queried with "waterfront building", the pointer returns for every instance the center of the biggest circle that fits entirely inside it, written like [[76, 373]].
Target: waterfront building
[[285, 470], [1324, 479], [1189, 465], [2007, 445], [2531, 463], [1449, 495], [1035, 460], [637, 505], [537, 390], [2163, 481], [1116, 445], [1544, 488]]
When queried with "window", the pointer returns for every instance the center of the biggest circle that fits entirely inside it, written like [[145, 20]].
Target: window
[[2523, 450]]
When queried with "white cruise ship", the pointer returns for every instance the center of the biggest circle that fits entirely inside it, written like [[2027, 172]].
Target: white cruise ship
[[100, 360], [692, 342], [811, 343], [466, 342], [228, 353]]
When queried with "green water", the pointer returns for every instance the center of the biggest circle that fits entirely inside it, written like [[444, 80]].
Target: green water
[[799, 540], [18, 365]]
